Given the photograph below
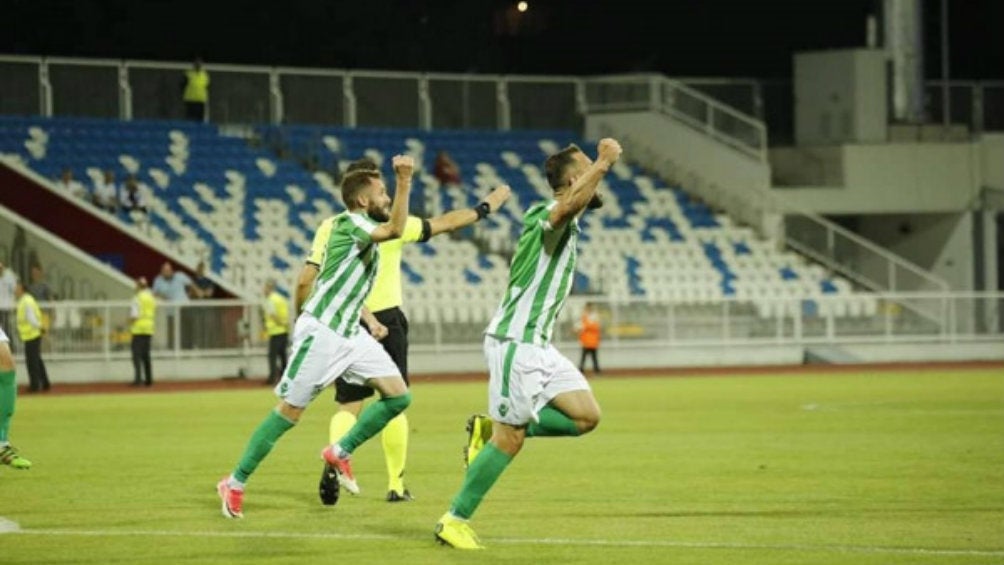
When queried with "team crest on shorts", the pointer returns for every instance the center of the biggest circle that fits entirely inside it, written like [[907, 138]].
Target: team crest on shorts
[[503, 408]]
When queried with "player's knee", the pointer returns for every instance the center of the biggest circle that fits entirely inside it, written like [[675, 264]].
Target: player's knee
[[507, 439], [588, 422], [289, 412]]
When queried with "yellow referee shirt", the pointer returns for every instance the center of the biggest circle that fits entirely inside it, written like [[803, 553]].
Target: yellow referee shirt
[[386, 291]]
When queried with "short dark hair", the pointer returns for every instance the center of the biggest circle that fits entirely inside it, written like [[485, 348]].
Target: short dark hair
[[556, 166], [355, 182], [364, 164]]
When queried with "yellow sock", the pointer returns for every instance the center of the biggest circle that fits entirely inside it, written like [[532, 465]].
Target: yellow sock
[[395, 451], [341, 423]]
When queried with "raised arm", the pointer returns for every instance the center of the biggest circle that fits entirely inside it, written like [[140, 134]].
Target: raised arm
[[404, 168], [456, 219], [574, 200]]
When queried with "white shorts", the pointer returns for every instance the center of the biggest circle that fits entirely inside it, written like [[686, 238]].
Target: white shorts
[[318, 356], [524, 378], [3, 337]]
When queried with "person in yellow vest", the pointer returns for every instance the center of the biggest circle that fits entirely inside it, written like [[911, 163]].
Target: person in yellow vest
[[277, 328], [8, 398], [196, 92], [141, 319], [383, 317], [29, 327]]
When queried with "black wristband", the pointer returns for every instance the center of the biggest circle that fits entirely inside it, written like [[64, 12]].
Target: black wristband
[[482, 210]]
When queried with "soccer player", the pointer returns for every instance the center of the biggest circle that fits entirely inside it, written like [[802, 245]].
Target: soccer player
[[533, 391], [389, 324], [327, 343], [8, 398]]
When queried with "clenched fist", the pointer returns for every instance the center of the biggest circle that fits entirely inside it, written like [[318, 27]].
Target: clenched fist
[[404, 165], [609, 150]]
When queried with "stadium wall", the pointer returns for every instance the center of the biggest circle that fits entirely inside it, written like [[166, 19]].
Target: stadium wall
[[70, 273], [882, 178], [992, 159], [470, 361]]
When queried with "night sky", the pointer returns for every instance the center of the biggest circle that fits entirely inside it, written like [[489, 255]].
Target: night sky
[[738, 38]]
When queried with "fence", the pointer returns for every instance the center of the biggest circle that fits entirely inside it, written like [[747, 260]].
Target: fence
[[59, 86], [978, 105], [653, 93], [100, 330]]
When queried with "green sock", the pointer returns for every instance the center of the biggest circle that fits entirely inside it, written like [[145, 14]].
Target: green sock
[[8, 395], [262, 440], [486, 468], [552, 422], [373, 419]]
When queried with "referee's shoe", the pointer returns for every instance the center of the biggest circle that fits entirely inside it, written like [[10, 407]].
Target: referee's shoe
[[328, 488]]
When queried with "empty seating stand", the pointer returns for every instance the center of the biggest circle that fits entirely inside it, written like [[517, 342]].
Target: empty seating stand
[[250, 206]]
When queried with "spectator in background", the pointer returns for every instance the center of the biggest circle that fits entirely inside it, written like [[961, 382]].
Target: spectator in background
[[589, 337], [133, 195], [205, 319], [72, 186], [141, 319], [195, 91], [29, 328], [175, 289], [203, 287], [106, 193], [446, 170], [8, 283], [39, 287], [277, 327]]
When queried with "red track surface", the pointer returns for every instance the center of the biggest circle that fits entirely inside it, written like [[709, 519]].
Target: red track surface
[[252, 383]]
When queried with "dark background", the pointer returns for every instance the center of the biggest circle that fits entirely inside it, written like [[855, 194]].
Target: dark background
[[735, 38]]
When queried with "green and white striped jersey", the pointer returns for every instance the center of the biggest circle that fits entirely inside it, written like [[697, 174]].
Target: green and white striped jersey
[[540, 278], [346, 274]]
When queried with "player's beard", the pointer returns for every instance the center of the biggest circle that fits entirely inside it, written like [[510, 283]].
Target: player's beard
[[595, 202], [379, 214]]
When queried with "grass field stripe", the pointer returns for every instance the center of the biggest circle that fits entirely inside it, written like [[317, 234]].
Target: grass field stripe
[[532, 541]]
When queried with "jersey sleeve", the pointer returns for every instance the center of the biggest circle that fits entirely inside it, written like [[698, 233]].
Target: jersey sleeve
[[320, 242], [412, 230]]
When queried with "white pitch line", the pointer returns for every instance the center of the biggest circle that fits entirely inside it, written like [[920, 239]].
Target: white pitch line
[[8, 526], [528, 541]]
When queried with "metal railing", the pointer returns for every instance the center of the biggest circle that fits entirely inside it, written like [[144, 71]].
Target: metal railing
[[864, 262], [100, 329], [656, 93], [977, 105], [129, 89], [61, 86]]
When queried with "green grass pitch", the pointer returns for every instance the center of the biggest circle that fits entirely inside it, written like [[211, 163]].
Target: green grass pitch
[[858, 468]]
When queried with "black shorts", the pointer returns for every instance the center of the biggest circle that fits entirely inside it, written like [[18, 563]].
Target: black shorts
[[395, 344]]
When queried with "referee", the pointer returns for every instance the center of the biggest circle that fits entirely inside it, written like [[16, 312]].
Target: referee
[[383, 317]]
